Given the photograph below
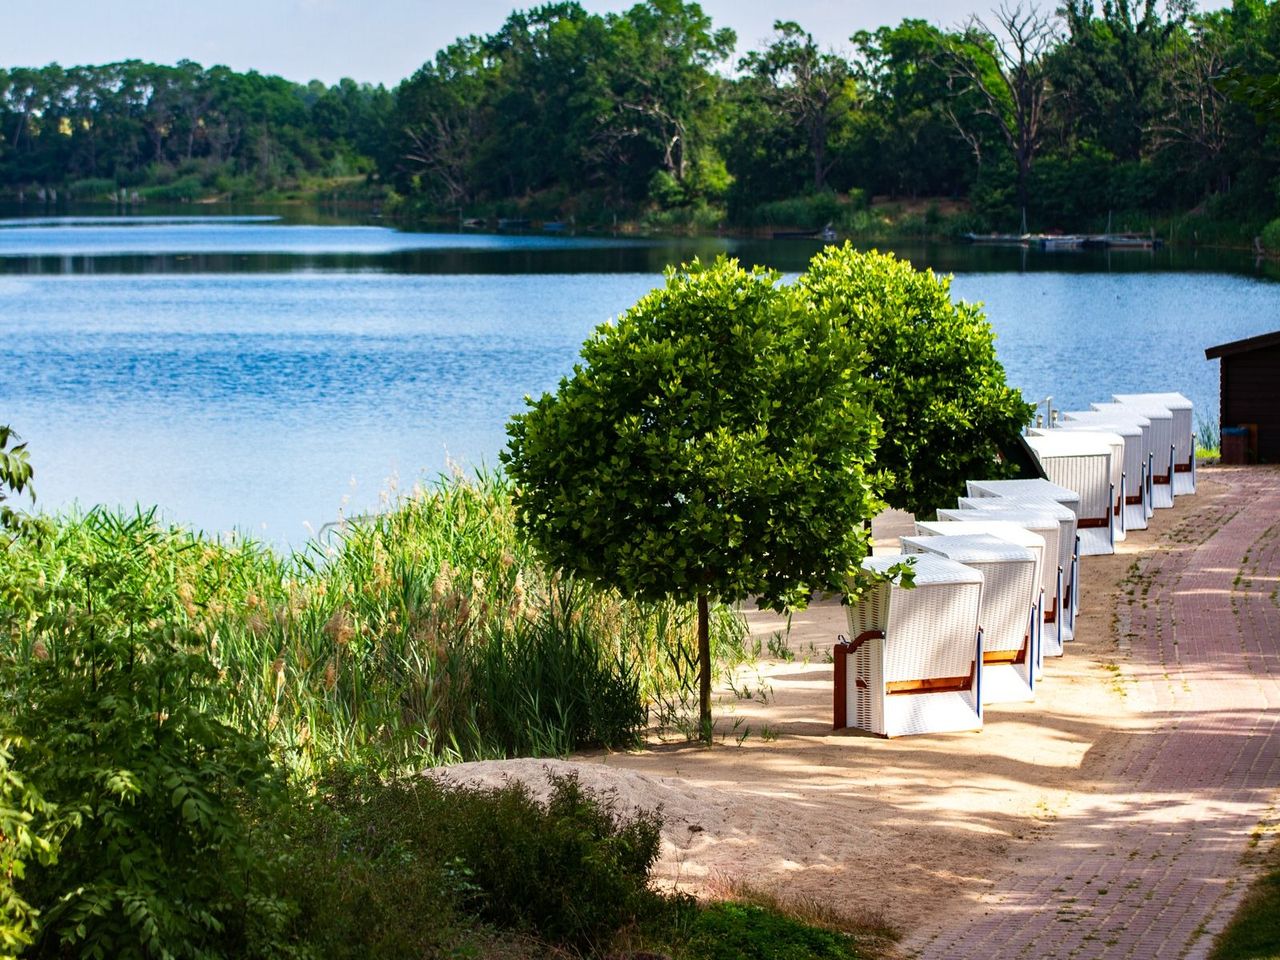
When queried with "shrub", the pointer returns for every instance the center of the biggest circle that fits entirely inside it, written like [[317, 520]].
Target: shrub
[[121, 731], [397, 644], [92, 188], [29, 830], [1271, 236], [393, 869], [735, 931]]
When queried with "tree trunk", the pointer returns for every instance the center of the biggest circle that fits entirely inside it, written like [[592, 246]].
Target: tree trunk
[[704, 669]]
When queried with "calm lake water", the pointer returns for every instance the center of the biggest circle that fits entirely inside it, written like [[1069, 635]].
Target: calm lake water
[[265, 374]]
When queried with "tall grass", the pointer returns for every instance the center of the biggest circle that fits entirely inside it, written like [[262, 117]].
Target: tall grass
[[424, 635]]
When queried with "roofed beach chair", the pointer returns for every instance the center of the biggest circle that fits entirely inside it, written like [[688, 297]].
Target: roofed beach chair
[[1136, 432], [1119, 476], [1044, 489], [1184, 441], [1161, 469], [1008, 612], [1045, 519], [1017, 535], [1083, 462], [1068, 543], [913, 663]]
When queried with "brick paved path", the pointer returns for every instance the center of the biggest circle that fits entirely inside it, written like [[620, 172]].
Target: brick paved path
[[1142, 866]]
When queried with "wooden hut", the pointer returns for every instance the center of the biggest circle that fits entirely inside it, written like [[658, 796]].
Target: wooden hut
[[1249, 395]]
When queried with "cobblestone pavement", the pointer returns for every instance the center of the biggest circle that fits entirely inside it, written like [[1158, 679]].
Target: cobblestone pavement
[[1149, 863]]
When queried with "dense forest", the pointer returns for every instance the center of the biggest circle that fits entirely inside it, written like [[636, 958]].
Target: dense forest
[[1137, 109]]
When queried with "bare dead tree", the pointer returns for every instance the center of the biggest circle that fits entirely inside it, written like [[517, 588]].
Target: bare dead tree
[[1004, 67], [1195, 120]]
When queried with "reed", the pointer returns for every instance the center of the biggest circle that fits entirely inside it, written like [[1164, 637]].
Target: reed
[[427, 634]]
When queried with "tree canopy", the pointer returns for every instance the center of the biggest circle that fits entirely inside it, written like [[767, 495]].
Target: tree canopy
[[712, 444], [934, 380], [1139, 107]]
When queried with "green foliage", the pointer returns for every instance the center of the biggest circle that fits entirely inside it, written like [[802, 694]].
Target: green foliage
[[15, 478], [398, 644], [29, 830], [396, 868], [121, 731], [171, 132], [1271, 236], [735, 931], [932, 371], [711, 443]]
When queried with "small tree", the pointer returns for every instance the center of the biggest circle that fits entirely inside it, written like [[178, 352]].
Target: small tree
[[712, 445], [934, 378]]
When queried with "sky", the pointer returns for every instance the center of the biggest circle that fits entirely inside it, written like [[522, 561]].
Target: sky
[[379, 41]]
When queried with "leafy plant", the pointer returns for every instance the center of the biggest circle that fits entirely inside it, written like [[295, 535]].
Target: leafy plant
[[29, 830], [736, 931], [933, 377], [393, 868], [119, 727], [15, 478], [711, 445]]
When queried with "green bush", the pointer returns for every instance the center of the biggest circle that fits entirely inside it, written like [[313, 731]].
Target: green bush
[[185, 188], [735, 931], [812, 211], [1271, 236], [29, 830], [121, 732], [395, 869], [92, 188]]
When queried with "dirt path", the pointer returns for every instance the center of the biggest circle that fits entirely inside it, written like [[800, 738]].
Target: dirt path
[[1102, 820]]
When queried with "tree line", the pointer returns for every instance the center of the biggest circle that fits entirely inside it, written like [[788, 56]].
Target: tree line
[[1136, 106]]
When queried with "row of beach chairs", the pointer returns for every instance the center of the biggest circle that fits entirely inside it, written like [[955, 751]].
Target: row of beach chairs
[[996, 589]]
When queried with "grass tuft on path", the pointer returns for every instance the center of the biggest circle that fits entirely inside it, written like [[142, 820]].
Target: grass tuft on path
[[1254, 932]]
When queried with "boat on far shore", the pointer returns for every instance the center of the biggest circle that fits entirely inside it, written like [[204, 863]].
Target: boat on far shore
[[827, 234], [1054, 242]]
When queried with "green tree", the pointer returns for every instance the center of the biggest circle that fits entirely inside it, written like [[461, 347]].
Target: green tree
[[935, 382], [711, 445], [811, 92]]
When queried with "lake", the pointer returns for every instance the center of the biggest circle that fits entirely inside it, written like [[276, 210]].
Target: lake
[[267, 374]]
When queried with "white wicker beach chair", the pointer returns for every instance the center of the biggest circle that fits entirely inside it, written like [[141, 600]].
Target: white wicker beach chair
[[1007, 615], [1136, 432], [1083, 463], [1046, 519], [1119, 476], [1017, 535], [1044, 489], [1184, 441], [913, 662], [1161, 468], [1068, 541]]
